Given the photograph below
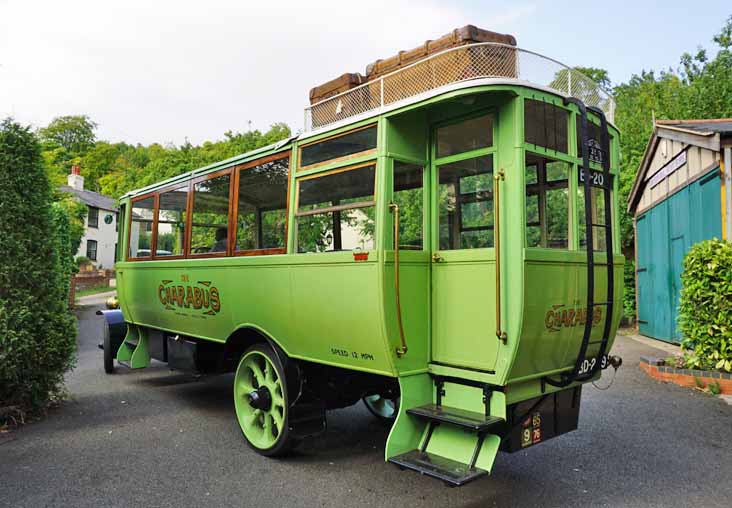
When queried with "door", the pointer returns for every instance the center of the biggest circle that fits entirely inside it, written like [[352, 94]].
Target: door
[[463, 265]]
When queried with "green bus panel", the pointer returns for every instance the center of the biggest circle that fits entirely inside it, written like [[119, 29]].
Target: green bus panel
[[664, 235]]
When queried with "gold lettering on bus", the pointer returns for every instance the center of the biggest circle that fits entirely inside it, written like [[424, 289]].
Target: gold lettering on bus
[[199, 296], [562, 316]]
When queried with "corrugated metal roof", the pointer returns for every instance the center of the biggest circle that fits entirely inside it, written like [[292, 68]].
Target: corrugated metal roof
[[93, 199], [718, 125]]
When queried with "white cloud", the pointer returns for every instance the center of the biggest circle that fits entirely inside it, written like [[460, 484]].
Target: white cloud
[[160, 71]]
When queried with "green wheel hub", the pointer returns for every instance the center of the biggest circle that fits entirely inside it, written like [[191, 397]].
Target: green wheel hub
[[259, 399]]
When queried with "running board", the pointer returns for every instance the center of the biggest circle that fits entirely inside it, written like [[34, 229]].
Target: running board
[[470, 420], [450, 471]]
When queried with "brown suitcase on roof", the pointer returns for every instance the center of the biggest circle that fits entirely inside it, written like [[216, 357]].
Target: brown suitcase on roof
[[336, 86], [468, 34]]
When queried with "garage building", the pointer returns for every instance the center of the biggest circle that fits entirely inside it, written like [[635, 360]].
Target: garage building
[[682, 195]]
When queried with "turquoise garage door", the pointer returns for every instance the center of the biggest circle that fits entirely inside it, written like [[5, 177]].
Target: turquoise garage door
[[664, 234]]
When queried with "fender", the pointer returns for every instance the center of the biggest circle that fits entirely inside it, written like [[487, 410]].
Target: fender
[[115, 326]]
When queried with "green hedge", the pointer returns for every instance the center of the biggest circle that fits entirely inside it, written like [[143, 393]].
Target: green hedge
[[705, 311], [37, 329]]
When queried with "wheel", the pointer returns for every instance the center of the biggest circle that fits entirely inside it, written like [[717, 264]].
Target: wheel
[[108, 353], [261, 401], [381, 407]]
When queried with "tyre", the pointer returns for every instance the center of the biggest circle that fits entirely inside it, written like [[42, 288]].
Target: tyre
[[261, 401], [381, 407], [108, 353]]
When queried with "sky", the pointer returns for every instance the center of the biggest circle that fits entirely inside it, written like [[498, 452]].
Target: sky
[[159, 71]]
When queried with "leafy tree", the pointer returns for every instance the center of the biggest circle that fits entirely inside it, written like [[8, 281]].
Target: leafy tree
[[37, 330], [74, 133]]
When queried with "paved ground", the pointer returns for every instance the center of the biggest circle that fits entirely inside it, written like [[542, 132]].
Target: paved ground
[[155, 438]]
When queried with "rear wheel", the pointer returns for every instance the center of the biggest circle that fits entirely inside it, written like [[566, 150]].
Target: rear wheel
[[261, 401], [381, 407]]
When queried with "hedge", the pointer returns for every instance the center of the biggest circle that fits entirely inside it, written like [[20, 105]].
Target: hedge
[[37, 329], [705, 310]]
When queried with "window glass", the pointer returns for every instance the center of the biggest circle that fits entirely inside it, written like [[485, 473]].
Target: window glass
[[348, 144], [546, 125], [121, 216], [465, 203], [547, 202], [210, 219], [172, 222], [262, 209], [93, 217], [91, 249], [336, 211], [597, 208], [141, 226], [408, 195], [465, 136]]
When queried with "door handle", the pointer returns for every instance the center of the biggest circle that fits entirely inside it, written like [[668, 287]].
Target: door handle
[[436, 258]]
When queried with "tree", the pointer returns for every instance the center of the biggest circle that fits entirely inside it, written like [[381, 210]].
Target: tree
[[37, 330], [75, 133]]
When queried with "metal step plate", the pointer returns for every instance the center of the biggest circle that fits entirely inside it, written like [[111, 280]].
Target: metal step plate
[[477, 422], [450, 471]]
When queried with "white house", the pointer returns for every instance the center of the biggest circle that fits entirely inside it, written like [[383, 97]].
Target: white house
[[99, 242]]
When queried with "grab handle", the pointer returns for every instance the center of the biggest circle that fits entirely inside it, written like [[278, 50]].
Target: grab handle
[[500, 334], [401, 350]]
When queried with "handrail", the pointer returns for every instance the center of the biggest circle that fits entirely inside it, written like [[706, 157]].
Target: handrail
[[500, 175], [401, 350]]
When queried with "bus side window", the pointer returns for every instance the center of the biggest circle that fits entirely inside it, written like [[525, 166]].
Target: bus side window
[[262, 206], [210, 216], [336, 210], [408, 195], [546, 125], [119, 225], [141, 228], [547, 202], [172, 222]]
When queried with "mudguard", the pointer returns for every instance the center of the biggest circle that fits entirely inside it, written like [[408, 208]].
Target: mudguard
[[115, 326]]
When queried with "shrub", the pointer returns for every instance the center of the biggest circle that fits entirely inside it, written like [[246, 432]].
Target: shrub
[[37, 330], [705, 311]]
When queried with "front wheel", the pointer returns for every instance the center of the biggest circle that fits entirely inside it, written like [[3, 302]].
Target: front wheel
[[381, 407], [261, 401]]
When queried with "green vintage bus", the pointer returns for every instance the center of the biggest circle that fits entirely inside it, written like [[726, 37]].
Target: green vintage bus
[[440, 242]]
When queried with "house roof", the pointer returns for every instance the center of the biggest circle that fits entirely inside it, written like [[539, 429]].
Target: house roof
[[702, 133], [92, 199], [719, 125]]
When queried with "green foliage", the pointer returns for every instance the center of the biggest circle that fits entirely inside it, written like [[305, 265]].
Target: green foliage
[[37, 330], [75, 213], [705, 310], [629, 293], [714, 388], [74, 133]]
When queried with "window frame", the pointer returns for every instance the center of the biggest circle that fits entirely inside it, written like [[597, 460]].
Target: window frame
[[231, 234], [343, 158], [436, 163], [337, 208], [543, 188], [234, 205], [153, 238], [96, 249], [157, 193], [88, 217]]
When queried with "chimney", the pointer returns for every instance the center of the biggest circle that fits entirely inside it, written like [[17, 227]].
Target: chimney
[[75, 180]]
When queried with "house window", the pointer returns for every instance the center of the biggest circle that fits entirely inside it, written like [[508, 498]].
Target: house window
[[91, 249], [93, 217]]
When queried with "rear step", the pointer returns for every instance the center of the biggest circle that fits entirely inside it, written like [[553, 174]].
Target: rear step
[[450, 471], [476, 422]]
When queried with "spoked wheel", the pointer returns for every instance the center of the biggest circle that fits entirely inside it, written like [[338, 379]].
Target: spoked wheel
[[381, 407], [260, 399]]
